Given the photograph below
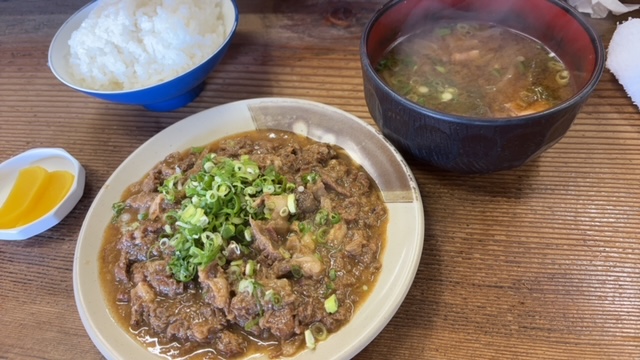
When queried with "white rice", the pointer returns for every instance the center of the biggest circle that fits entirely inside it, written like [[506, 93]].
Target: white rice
[[130, 44]]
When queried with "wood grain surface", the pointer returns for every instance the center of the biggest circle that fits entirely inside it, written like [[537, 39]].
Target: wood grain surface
[[540, 262]]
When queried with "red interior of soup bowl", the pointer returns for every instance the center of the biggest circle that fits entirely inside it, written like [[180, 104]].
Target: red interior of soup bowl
[[549, 21]]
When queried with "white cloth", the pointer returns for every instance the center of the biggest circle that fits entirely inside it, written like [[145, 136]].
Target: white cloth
[[623, 55], [600, 8]]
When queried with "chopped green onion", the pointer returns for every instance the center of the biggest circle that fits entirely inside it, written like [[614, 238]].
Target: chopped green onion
[[117, 209], [251, 324], [227, 230], [318, 330], [446, 96], [386, 64], [219, 201], [164, 242], [321, 217], [555, 65], [304, 227], [331, 304], [291, 203], [234, 272], [332, 274], [170, 187], [296, 271], [273, 297], [562, 77], [238, 262], [329, 288], [462, 27], [310, 178], [248, 235], [208, 166], [309, 339], [246, 286], [335, 218], [321, 235], [250, 269]]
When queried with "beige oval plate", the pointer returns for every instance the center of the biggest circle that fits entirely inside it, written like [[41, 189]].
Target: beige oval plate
[[400, 257]]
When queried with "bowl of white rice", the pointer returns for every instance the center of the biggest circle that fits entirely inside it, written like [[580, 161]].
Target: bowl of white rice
[[153, 53]]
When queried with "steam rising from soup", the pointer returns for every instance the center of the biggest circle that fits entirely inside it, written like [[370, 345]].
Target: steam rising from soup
[[476, 69]]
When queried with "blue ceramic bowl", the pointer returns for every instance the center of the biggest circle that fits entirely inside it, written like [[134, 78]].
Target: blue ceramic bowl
[[166, 96], [476, 145]]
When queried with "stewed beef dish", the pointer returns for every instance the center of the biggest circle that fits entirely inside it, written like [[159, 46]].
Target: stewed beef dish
[[265, 242]]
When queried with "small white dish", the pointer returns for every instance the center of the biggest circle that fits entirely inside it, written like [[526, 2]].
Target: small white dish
[[405, 230], [50, 159]]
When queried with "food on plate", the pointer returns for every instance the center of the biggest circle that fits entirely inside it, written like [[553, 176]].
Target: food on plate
[[130, 44], [476, 69], [35, 193], [262, 242]]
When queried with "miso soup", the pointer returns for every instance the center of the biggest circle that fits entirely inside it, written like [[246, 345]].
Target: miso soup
[[476, 69]]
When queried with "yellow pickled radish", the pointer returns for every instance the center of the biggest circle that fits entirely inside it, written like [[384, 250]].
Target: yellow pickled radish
[[28, 188], [58, 186]]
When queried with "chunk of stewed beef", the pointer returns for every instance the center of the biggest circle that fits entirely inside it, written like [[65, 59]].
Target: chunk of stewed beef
[[316, 154], [280, 322], [230, 344], [243, 308], [300, 265], [215, 286], [307, 203], [157, 274], [266, 240], [142, 299]]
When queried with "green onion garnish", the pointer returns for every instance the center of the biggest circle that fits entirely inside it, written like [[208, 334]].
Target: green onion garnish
[[310, 178], [219, 201], [309, 339], [117, 209], [318, 330], [331, 304]]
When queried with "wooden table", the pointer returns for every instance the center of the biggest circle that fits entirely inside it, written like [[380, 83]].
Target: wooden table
[[541, 262]]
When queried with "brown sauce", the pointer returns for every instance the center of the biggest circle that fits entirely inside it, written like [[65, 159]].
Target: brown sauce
[[267, 288]]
